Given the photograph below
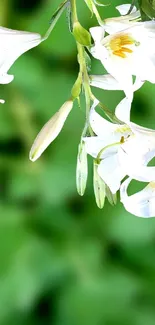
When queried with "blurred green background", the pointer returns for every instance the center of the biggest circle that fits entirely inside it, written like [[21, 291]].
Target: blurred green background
[[62, 260]]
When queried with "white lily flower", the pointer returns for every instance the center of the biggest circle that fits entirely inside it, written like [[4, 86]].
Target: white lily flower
[[115, 24], [50, 131], [118, 148], [126, 53], [142, 203], [13, 44]]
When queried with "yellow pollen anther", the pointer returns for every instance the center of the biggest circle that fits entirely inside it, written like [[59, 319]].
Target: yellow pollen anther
[[117, 45]]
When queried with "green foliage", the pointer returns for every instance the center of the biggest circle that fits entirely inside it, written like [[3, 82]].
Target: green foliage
[[63, 261]]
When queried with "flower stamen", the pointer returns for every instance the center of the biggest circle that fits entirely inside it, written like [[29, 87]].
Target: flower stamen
[[117, 47]]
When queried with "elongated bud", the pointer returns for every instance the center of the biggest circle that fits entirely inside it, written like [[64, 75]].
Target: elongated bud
[[81, 169], [81, 35], [112, 198], [50, 131], [99, 187]]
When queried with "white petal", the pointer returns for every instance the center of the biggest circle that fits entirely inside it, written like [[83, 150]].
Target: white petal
[[134, 161], [13, 44], [2, 101], [100, 126], [105, 81], [120, 69], [141, 204], [141, 130], [94, 145], [122, 110], [111, 172], [6, 78], [124, 9], [97, 33], [138, 84], [50, 131]]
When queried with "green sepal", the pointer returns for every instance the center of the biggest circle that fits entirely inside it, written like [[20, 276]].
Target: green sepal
[[81, 35], [76, 90], [88, 61]]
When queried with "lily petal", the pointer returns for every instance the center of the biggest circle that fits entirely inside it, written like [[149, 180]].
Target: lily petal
[[141, 204], [13, 44], [122, 110], [106, 81], [111, 172], [124, 9], [100, 126]]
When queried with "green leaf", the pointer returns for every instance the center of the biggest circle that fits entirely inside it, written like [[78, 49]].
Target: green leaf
[[147, 8], [69, 17], [89, 4]]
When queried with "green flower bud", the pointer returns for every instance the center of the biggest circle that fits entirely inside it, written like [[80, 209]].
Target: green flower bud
[[99, 187], [81, 35], [81, 169], [50, 130]]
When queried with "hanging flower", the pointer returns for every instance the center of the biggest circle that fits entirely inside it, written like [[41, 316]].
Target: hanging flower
[[13, 44], [126, 53], [120, 149], [141, 204]]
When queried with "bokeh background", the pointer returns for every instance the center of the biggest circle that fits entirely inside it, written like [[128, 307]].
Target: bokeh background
[[62, 260]]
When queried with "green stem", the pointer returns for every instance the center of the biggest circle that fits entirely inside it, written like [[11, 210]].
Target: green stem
[[84, 73], [74, 11], [96, 13], [55, 18], [87, 89], [103, 149]]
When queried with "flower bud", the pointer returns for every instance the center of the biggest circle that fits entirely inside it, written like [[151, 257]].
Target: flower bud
[[99, 187], [81, 35], [50, 130], [81, 169], [112, 198]]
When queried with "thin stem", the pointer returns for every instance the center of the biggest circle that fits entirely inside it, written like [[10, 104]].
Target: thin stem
[[97, 14], [74, 11], [103, 149], [55, 18]]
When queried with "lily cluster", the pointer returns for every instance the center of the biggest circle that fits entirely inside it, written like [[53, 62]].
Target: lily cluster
[[124, 149], [121, 149]]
